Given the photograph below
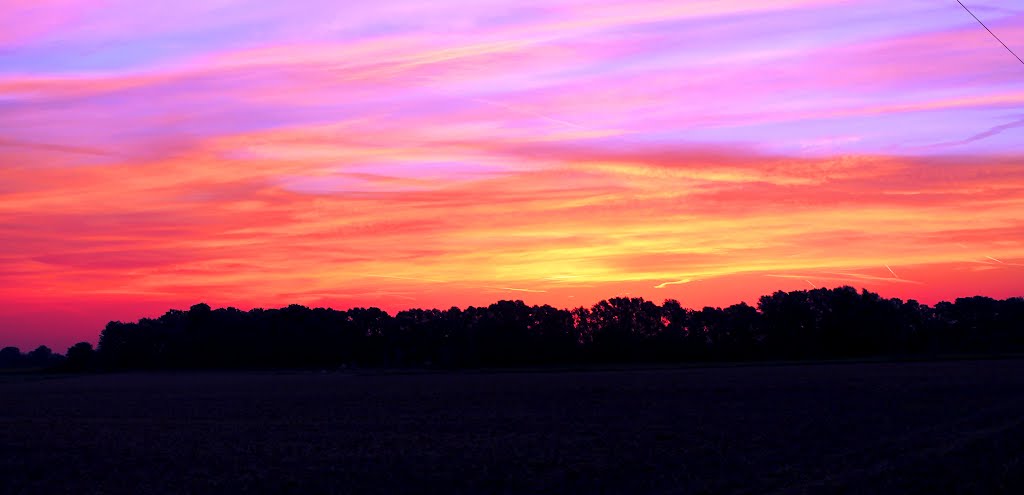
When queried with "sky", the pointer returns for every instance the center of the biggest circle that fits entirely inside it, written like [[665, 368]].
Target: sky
[[457, 152]]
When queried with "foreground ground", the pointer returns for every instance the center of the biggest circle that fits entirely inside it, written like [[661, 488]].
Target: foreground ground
[[856, 428]]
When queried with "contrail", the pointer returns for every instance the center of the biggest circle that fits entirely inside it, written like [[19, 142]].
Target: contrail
[[850, 277], [518, 289], [677, 282], [993, 259], [809, 282], [890, 271]]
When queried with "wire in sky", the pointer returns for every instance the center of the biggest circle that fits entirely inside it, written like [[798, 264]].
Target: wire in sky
[[989, 31]]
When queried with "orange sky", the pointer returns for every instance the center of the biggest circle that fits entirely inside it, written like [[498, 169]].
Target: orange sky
[[557, 155]]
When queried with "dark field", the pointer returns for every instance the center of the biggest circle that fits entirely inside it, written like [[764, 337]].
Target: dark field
[[853, 428]]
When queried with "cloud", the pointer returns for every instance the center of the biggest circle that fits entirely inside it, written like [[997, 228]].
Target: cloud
[[851, 278], [995, 130], [676, 282], [343, 154]]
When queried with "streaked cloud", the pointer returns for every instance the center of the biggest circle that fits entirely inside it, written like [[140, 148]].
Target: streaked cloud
[[405, 153]]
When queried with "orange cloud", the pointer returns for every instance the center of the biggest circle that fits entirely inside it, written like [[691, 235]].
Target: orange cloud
[[709, 151]]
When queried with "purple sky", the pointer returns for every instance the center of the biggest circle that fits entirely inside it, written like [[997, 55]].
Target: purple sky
[[155, 154]]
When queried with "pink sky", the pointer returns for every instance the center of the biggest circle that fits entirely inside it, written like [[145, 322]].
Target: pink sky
[[421, 154]]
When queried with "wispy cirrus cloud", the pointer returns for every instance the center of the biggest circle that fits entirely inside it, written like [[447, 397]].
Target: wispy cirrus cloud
[[396, 153]]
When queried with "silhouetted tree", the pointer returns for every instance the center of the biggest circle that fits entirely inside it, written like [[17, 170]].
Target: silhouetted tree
[[80, 357], [43, 357], [623, 329], [670, 343], [11, 357], [738, 334]]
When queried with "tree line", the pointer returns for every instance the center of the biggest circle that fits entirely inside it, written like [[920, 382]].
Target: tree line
[[79, 356], [804, 324]]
